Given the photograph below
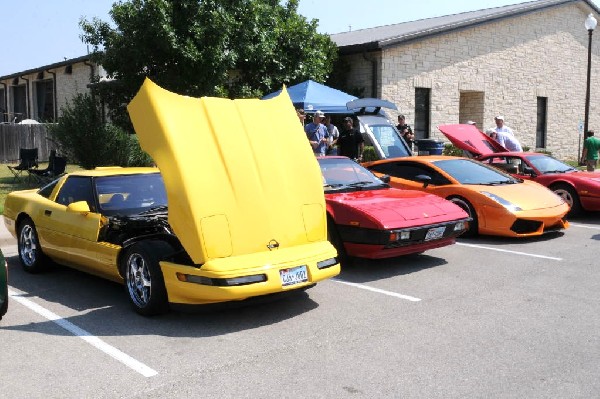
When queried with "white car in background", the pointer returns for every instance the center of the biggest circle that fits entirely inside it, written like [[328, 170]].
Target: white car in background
[[377, 129]]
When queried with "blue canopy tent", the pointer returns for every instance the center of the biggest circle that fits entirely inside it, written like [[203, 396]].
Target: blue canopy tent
[[312, 96]]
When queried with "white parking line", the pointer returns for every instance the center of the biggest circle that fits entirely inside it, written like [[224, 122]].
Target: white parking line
[[10, 250], [585, 226], [83, 334], [366, 287], [508, 251]]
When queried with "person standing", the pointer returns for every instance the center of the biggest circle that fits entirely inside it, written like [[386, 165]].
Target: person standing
[[334, 133], [402, 127], [406, 132], [501, 127], [508, 141], [317, 134], [589, 155], [301, 115], [350, 143]]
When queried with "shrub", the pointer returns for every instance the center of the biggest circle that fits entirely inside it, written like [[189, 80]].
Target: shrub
[[369, 154], [451, 149], [87, 141]]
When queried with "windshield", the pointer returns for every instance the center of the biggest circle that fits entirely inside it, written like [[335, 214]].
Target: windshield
[[389, 140], [467, 171], [546, 164], [345, 174], [130, 194]]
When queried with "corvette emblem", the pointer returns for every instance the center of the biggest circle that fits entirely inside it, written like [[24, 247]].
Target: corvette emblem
[[273, 244]]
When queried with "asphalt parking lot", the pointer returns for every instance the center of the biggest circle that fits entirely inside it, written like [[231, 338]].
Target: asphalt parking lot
[[487, 317]]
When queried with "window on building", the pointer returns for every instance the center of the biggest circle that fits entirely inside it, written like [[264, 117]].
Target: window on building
[[19, 106], [540, 130], [422, 111], [44, 95]]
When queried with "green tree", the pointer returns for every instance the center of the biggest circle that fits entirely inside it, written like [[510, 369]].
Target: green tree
[[227, 48], [87, 141]]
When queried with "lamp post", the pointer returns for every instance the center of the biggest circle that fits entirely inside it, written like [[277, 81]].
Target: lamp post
[[590, 25]]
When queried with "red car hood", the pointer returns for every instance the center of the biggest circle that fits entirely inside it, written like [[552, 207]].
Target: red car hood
[[470, 139], [391, 208]]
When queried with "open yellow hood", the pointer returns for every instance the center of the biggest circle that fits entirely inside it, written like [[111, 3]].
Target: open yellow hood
[[240, 175]]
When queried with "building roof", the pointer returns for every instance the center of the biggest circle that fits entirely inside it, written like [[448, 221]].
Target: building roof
[[46, 67], [389, 35]]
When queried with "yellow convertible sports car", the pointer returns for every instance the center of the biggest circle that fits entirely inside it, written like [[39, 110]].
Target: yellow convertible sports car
[[498, 203], [243, 220]]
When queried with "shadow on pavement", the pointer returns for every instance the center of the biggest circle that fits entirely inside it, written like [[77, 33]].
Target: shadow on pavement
[[366, 270], [104, 308]]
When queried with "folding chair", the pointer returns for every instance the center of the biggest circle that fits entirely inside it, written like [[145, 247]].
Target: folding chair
[[36, 173], [28, 159], [56, 167]]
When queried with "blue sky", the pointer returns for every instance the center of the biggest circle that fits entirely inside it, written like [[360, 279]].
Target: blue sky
[[36, 32]]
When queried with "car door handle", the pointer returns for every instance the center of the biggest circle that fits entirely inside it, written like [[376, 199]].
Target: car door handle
[[47, 212]]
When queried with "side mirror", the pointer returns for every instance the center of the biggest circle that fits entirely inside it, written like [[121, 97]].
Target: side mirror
[[426, 180], [385, 179], [528, 170], [78, 207]]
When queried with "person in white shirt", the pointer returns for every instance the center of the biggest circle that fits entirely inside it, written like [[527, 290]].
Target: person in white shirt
[[508, 141], [500, 127]]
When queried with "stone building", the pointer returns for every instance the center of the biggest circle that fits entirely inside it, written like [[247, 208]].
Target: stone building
[[40, 93], [527, 62]]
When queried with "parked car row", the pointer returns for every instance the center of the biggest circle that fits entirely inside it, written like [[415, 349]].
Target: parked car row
[[579, 189], [241, 221]]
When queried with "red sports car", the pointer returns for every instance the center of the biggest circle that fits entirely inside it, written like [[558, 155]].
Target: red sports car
[[368, 219], [581, 190]]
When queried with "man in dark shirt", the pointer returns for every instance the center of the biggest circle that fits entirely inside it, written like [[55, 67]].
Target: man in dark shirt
[[350, 142], [405, 131]]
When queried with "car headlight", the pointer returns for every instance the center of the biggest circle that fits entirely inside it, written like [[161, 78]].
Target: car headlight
[[399, 235], [507, 204], [460, 226]]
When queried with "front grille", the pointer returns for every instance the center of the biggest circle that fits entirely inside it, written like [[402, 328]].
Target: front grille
[[360, 235], [521, 226]]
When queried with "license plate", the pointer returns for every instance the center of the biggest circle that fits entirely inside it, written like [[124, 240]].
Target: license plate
[[295, 275], [435, 233]]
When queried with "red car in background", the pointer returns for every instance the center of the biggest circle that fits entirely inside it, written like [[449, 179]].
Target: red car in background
[[368, 219], [581, 190]]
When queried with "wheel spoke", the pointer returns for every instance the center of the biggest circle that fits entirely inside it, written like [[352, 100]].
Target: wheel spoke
[[28, 247], [139, 280]]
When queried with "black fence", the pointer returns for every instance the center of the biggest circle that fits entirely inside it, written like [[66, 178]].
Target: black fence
[[14, 137]]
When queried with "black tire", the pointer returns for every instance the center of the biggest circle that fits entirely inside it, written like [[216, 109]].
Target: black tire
[[144, 281], [467, 207], [570, 196], [31, 256], [334, 238]]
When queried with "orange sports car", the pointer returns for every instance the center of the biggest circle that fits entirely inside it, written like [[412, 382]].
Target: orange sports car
[[498, 203]]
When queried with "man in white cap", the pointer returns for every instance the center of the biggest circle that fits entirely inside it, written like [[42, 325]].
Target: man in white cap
[[317, 134], [500, 127]]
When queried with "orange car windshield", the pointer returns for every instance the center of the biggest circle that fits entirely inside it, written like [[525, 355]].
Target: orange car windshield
[[466, 171]]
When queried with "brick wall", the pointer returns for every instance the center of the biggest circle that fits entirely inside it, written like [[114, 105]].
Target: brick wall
[[509, 63]]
